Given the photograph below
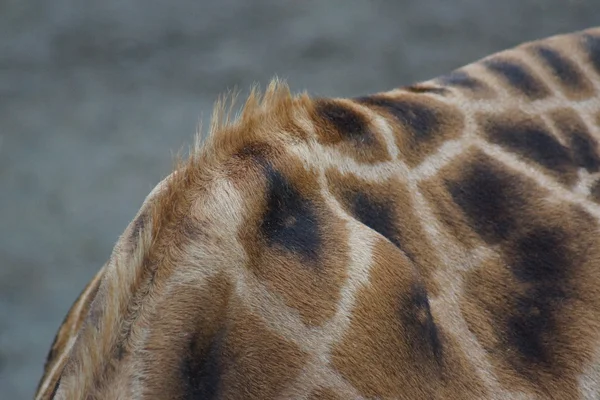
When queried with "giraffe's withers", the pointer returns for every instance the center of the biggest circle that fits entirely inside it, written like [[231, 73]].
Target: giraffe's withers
[[438, 241]]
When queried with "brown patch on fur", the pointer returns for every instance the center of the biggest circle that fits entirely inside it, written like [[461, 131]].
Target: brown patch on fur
[[286, 236], [387, 208], [583, 147], [216, 348], [539, 299], [565, 72], [535, 310], [589, 44], [515, 76], [467, 82], [394, 346], [442, 204], [421, 124], [339, 123], [197, 314], [530, 138]]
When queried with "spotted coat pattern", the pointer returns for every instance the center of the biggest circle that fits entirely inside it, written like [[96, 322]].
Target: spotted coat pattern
[[437, 241]]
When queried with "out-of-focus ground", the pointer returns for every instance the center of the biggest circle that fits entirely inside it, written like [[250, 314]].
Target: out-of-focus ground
[[96, 96]]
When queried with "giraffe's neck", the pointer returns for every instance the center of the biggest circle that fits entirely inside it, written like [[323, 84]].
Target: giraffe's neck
[[434, 241]]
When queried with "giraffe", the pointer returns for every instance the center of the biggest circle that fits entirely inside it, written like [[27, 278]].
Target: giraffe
[[436, 241]]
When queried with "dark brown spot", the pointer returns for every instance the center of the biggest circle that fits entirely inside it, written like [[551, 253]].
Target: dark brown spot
[[488, 198], [563, 69], [283, 234], [290, 220], [422, 331], [186, 351], [388, 209], [419, 120], [347, 123], [540, 256], [461, 79], [519, 77], [583, 146], [341, 125], [531, 139], [393, 348], [421, 125], [257, 151], [201, 370], [591, 44], [527, 307], [379, 216]]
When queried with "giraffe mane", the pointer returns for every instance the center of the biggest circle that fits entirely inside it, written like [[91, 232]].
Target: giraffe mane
[[263, 116]]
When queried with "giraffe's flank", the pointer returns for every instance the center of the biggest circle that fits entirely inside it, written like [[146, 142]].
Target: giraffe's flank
[[435, 241]]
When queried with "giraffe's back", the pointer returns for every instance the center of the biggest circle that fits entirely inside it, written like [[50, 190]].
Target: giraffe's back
[[435, 241]]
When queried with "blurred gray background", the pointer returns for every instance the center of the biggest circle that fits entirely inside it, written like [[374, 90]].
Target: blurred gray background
[[96, 96]]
